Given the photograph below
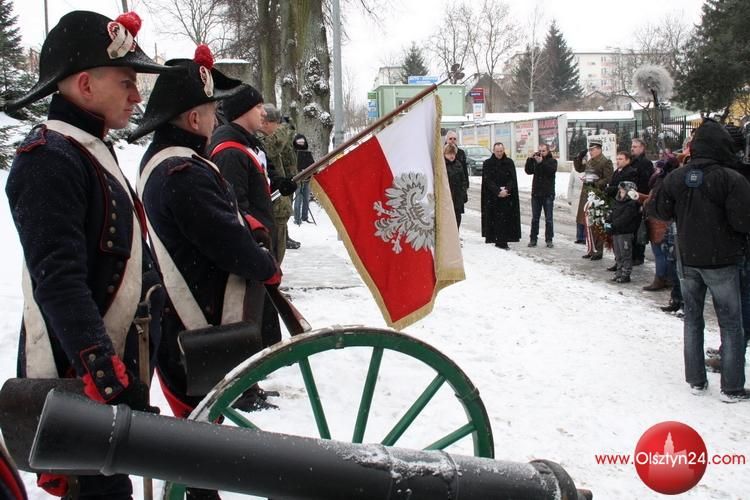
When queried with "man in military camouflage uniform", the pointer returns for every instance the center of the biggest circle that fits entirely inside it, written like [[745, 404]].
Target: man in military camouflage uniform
[[277, 141]]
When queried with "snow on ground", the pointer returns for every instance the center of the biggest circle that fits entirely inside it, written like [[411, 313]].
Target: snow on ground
[[566, 368]]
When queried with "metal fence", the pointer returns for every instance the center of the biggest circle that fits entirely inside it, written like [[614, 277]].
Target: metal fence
[[673, 134]]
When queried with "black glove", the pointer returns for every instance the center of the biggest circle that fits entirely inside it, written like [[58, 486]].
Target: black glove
[[135, 395], [287, 186], [262, 237], [582, 153]]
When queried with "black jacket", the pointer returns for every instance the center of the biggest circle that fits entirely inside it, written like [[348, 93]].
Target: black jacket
[[543, 183], [75, 223], [644, 168], [626, 216], [713, 216], [193, 211], [458, 183], [250, 186], [626, 174]]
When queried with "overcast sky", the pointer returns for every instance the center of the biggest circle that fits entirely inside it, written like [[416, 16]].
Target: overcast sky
[[585, 24]]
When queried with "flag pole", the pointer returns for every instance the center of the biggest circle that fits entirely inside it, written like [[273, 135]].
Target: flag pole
[[323, 162]]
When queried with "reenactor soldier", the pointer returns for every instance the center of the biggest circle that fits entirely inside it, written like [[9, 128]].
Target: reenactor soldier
[[213, 267], [86, 262]]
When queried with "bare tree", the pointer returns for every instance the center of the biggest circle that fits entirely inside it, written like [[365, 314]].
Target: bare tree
[[496, 37], [452, 42], [529, 69], [201, 21], [269, 30], [661, 43], [355, 111], [653, 43], [305, 71]]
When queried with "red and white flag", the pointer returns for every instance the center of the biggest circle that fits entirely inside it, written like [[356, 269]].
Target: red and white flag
[[390, 201]]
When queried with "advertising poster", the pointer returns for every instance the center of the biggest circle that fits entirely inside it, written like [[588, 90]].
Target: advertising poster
[[524, 140], [502, 134], [548, 135], [483, 136]]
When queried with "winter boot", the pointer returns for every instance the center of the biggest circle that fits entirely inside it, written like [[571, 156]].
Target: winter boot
[[656, 285], [673, 306], [292, 244], [612, 268], [531, 244], [623, 279]]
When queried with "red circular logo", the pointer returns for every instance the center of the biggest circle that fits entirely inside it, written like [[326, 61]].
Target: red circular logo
[[670, 458]]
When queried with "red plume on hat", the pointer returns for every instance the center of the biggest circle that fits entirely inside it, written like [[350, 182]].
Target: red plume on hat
[[203, 56], [131, 21]]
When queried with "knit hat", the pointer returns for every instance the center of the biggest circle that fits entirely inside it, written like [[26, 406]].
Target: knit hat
[[83, 40], [241, 102], [173, 94]]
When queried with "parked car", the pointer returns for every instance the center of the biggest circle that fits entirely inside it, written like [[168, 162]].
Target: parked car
[[475, 156]]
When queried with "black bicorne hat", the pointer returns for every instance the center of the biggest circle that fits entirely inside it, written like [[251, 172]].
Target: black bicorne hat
[[83, 40], [175, 93]]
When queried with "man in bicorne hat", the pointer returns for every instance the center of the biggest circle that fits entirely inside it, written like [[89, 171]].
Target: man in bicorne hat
[[212, 266], [86, 263]]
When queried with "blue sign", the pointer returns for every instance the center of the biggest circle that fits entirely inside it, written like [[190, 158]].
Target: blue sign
[[421, 80]]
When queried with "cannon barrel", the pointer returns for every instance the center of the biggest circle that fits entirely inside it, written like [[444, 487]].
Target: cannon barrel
[[77, 434]]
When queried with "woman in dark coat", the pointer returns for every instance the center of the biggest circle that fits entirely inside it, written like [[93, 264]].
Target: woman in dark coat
[[458, 182], [501, 213]]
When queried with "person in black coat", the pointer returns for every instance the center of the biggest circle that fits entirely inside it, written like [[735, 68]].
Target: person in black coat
[[501, 213], [212, 264], [543, 166], [623, 222], [645, 169], [456, 180], [243, 162], [625, 172], [452, 138], [87, 264], [709, 203], [302, 196]]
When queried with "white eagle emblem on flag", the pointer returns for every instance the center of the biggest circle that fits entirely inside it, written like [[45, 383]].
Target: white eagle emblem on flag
[[410, 214]]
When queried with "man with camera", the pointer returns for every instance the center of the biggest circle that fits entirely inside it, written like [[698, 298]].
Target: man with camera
[[543, 166]]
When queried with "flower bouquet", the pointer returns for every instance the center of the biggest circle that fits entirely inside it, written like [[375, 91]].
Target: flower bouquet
[[597, 210]]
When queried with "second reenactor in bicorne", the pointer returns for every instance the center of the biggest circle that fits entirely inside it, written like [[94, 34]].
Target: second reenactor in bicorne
[[212, 266]]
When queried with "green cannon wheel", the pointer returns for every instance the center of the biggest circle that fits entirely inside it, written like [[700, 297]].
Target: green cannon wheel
[[303, 349]]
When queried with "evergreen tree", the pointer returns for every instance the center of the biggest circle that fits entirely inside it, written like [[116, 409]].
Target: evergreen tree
[[561, 83], [11, 53], [715, 71], [413, 64]]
